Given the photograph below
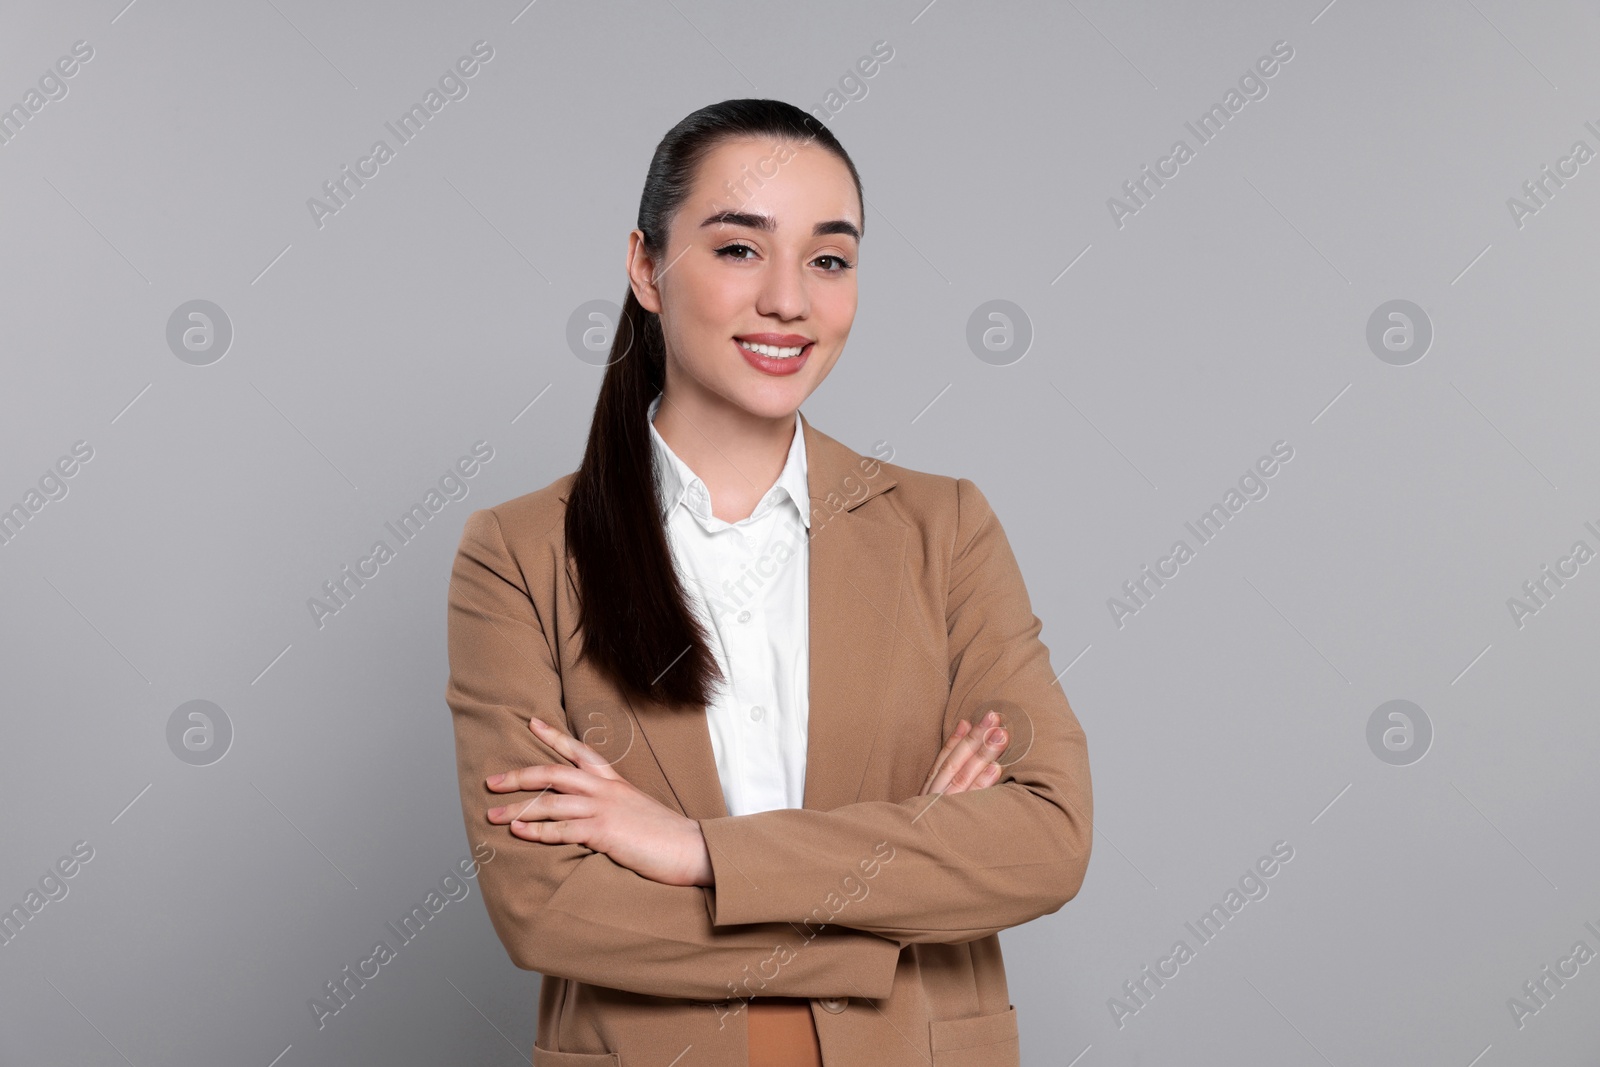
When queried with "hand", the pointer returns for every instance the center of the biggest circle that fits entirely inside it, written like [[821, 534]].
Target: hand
[[967, 762], [591, 804]]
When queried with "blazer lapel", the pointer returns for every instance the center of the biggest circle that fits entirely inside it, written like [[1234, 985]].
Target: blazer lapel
[[855, 574], [856, 567]]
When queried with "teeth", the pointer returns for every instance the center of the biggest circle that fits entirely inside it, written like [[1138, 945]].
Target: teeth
[[771, 351]]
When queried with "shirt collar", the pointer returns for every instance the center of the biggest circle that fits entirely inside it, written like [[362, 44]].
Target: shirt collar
[[677, 483]]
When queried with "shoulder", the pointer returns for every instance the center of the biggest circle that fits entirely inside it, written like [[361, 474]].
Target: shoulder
[[942, 508], [950, 507], [534, 522]]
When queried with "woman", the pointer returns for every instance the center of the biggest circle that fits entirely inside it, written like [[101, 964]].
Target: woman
[[761, 729]]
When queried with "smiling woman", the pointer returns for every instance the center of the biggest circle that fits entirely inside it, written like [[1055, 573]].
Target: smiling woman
[[688, 804]]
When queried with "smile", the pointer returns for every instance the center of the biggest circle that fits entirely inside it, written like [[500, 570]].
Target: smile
[[776, 360], [771, 351]]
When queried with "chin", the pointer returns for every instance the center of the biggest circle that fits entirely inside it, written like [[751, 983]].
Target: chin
[[771, 403]]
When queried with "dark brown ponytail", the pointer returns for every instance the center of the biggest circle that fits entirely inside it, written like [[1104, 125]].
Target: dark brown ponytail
[[638, 626]]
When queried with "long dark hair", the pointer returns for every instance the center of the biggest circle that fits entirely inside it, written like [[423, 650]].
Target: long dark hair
[[638, 626]]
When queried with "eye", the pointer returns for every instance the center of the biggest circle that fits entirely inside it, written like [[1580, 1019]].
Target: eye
[[730, 251]]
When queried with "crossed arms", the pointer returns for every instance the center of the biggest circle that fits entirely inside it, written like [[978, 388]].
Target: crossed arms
[[944, 869]]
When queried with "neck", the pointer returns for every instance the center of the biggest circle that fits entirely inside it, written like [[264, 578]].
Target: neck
[[738, 454]]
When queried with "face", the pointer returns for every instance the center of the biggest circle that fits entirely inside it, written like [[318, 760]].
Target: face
[[745, 262]]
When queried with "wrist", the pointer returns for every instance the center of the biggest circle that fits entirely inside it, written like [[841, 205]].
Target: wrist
[[705, 875]]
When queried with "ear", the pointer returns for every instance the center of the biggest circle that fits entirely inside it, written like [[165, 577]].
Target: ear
[[641, 273]]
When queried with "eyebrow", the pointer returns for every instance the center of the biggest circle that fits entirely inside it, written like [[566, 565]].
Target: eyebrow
[[756, 221]]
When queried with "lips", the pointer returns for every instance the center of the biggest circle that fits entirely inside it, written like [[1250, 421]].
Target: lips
[[778, 366], [782, 340]]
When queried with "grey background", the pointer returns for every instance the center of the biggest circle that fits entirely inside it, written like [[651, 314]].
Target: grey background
[[1228, 314]]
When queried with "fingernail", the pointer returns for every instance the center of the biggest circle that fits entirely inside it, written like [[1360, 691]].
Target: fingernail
[[997, 736], [496, 779], [494, 813], [535, 722]]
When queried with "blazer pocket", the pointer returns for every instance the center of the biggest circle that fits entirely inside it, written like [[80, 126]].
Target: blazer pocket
[[543, 1057], [978, 1041]]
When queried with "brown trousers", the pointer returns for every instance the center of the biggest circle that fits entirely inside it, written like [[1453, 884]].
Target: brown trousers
[[782, 1033]]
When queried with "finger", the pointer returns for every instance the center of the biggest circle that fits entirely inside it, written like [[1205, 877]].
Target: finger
[[550, 833], [954, 751], [557, 776], [986, 777], [961, 730], [961, 753], [984, 758], [543, 807], [582, 755], [976, 760]]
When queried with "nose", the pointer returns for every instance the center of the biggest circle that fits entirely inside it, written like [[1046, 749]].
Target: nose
[[783, 293]]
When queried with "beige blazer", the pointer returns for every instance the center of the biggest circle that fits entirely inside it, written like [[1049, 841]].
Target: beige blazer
[[880, 905]]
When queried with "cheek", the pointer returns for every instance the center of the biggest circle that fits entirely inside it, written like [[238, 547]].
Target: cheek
[[720, 305], [837, 310], [697, 319]]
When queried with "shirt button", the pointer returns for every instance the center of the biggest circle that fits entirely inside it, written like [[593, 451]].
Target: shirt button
[[834, 1004], [744, 616], [756, 712]]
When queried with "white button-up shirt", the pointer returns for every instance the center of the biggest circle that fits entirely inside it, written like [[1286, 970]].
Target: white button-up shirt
[[748, 582]]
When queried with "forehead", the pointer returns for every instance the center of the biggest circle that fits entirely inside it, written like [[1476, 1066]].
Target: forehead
[[798, 184]]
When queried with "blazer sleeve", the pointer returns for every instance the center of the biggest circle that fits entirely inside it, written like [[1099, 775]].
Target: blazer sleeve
[[566, 910], [950, 868]]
